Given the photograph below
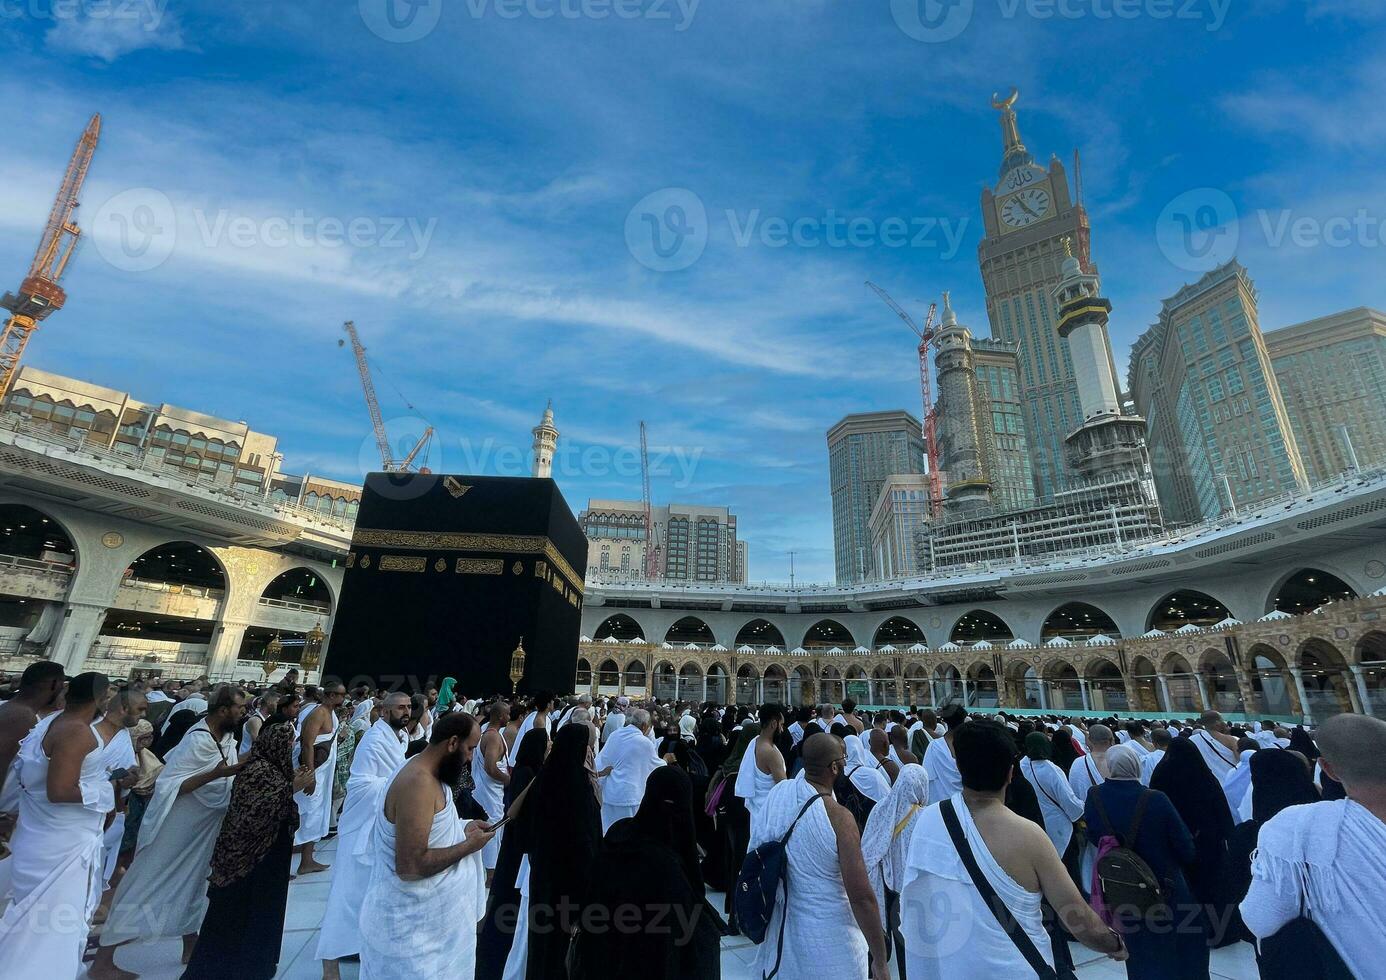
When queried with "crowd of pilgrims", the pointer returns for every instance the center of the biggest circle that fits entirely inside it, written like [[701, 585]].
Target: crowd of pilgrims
[[547, 838]]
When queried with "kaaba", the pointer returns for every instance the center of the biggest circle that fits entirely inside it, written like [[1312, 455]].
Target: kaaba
[[448, 574]]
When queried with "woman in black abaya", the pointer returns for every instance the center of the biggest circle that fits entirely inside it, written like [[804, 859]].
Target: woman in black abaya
[[498, 926], [565, 833], [1185, 778], [673, 934]]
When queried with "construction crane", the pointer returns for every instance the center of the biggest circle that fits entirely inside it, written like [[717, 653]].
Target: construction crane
[[926, 337], [651, 545], [382, 439], [39, 294]]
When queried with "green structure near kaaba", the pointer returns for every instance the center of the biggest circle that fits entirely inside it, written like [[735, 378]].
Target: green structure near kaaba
[[448, 574]]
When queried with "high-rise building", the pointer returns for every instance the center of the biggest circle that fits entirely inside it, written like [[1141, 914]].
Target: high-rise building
[[697, 543], [1007, 457], [1215, 421], [1332, 377], [900, 510], [864, 450], [1026, 216]]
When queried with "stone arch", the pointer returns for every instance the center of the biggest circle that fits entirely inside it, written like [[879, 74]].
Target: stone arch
[[1370, 656], [947, 683], [1184, 606], [1142, 675], [584, 673], [1106, 685], [303, 586], [1271, 681], [897, 631], [635, 673], [747, 678], [1182, 683], [1306, 589], [1061, 683], [18, 519], [1219, 678], [619, 626], [983, 685], [1077, 621], [828, 633], [980, 624], [775, 684], [1327, 682], [831, 684], [759, 633], [690, 682], [608, 674], [690, 629], [182, 562], [802, 677], [1023, 684], [717, 684]]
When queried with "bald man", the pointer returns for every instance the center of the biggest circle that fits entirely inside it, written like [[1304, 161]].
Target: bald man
[[1334, 850]]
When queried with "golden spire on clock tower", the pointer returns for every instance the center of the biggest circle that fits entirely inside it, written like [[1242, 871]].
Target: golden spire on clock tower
[[1015, 153]]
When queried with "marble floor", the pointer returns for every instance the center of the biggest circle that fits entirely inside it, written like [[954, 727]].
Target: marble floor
[[308, 897]]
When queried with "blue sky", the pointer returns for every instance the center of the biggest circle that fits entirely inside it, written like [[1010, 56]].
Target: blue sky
[[493, 176]]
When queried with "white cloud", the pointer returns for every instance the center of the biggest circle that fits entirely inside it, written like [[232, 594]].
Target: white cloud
[[110, 31]]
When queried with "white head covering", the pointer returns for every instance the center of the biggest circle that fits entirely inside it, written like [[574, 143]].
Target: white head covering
[[1238, 781], [883, 848], [363, 709], [688, 726], [1123, 763], [857, 755]]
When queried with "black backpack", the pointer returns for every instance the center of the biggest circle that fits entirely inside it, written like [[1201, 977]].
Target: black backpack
[[1127, 882], [858, 804], [765, 870]]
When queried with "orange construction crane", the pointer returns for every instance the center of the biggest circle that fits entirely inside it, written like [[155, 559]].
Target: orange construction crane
[[382, 439], [926, 337], [39, 294]]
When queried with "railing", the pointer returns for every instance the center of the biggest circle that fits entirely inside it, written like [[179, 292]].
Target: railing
[[36, 564], [148, 655], [1054, 561], [309, 607], [173, 588], [145, 461]]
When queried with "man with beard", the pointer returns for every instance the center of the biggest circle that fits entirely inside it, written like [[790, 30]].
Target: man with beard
[[40, 693], [118, 761], [427, 888], [379, 755]]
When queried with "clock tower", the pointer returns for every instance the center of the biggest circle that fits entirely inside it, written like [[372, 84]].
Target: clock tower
[[1027, 214]]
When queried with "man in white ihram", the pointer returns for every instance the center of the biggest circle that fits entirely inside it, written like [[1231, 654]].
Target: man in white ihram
[[379, 755], [427, 890], [164, 894], [624, 763], [317, 735], [1328, 860], [1218, 748], [64, 795]]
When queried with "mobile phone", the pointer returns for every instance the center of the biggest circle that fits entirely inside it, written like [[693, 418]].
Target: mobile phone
[[500, 823], [116, 775]]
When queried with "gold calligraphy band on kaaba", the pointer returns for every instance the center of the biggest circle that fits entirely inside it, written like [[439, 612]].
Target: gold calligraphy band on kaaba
[[525, 544], [480, 566], [402, 563]]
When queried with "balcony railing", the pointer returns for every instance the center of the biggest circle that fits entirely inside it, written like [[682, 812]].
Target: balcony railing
[[174, 588], [315, 608], [36, 564]]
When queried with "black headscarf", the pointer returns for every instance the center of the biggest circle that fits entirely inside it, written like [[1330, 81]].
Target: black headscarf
[[1185, 778], [1301, 742], [1278, 780], [666, 817], [1061, 752]]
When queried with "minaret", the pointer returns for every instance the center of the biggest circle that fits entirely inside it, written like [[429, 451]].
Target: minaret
[[545, 444], [1108, 443], [960, 437]]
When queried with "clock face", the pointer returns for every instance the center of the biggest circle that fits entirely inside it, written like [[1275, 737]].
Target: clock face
[[1025, 208]]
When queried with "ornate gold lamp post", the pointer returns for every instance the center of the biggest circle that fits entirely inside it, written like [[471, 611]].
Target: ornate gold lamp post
[[517, 665], [312, 648], [273, 649]]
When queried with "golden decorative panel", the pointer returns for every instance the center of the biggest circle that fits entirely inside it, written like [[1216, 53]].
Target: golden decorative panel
[[402, 563], [480, 566]]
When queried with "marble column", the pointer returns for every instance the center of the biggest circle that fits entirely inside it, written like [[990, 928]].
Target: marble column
[[1302, 695], [1163, 679], [1364, 696]]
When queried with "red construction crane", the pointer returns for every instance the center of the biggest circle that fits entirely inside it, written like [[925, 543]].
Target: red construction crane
[[926, 336], [651, 545], [39, 294], [382, 439]]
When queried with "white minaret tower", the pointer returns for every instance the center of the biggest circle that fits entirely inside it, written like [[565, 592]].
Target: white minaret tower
[[545, 445]]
